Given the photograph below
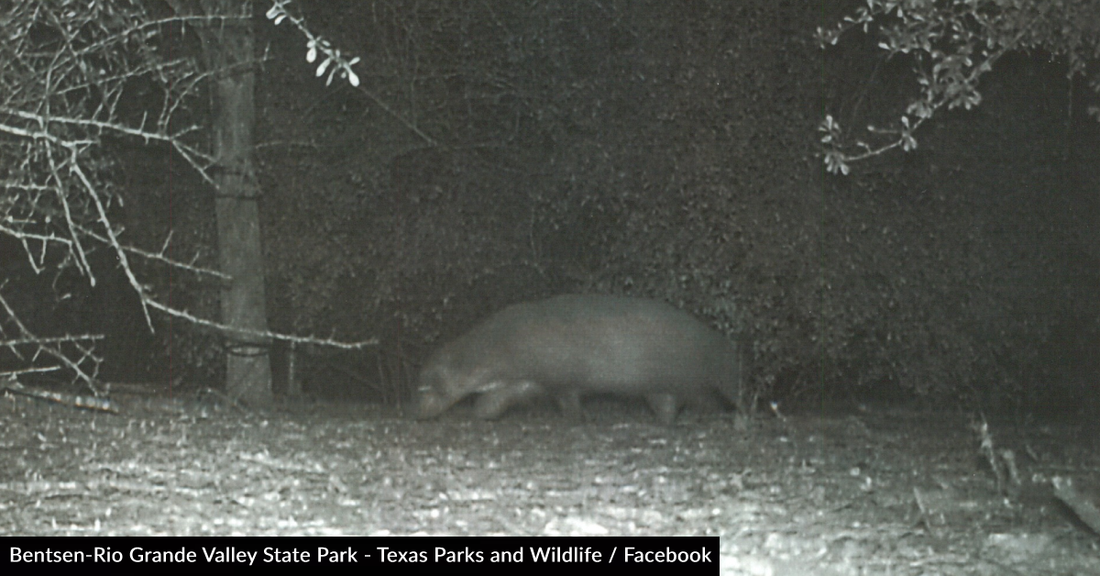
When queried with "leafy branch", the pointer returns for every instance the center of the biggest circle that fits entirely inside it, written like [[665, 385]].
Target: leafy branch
[[279, 13], [951, 44]]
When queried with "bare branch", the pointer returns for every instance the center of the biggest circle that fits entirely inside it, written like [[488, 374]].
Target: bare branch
[[61, 91], [258, 334]]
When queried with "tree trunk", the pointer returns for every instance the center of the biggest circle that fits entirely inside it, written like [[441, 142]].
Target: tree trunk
[[228, 47]]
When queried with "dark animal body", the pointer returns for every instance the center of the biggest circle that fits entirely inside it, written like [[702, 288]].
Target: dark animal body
[[568, 347]]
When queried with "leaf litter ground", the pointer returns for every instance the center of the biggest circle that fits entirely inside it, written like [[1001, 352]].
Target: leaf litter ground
[[867, 492]]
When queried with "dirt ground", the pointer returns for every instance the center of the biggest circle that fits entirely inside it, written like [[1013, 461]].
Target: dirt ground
[[868, 492]]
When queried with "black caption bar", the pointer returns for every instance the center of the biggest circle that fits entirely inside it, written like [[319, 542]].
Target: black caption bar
[[390, 555]]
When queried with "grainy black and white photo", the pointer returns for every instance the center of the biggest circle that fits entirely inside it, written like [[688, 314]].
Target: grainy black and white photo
[[819, 278]]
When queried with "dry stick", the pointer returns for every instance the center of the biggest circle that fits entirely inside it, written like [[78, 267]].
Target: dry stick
[[925, 517], [9, 375], [990, 453], [73, 400], [124, 263], [88, 379], [260, 333], [46, 340], [1085, 510], [1009, 458]]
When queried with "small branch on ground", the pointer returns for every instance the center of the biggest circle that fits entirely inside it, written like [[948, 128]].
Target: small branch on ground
[[1086, 511]]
